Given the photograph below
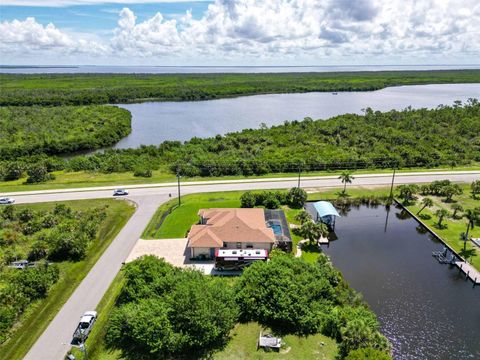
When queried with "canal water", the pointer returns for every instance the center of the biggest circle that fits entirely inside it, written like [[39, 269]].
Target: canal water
[[155, 122], [427, 310]]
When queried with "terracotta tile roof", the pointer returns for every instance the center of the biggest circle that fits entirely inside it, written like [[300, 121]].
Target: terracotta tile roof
[[230, 225]]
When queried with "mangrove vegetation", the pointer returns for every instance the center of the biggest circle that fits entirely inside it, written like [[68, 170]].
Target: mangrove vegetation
[[28, 130], [84, 89]]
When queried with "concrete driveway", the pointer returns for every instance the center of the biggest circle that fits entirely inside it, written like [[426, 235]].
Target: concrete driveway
[[174, 251]]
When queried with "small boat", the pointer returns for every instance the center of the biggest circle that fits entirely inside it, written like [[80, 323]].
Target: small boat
[[334, 93]]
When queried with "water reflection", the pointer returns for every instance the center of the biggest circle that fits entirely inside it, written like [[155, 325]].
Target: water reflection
[[155, 122]]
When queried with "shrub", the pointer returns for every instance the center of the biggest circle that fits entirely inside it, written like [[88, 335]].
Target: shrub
[[38, 173], [271, 201], [166, 312], [297, 197], [285, 293], [12, 170], [142, 172], [248, 200]]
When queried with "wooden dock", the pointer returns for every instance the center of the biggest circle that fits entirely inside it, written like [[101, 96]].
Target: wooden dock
[[469, 271]]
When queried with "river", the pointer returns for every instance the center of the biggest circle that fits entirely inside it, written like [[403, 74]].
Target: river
[[154, 122], [426, 309]]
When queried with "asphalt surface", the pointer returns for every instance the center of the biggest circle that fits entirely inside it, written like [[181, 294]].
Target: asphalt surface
[[55, 341]]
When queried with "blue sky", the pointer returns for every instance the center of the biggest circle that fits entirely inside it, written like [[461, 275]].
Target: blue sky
[[98, 17], [239, 32]]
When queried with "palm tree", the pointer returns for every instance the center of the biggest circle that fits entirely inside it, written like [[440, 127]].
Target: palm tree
[[303, 217], [313, 231], [471, 217], [441, 214], [426, 202], [456, 208], [347, 178]]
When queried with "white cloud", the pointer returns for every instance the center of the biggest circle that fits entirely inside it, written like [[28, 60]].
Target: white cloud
[[313, 28], [62, 3], [281, 31], [28, 36]]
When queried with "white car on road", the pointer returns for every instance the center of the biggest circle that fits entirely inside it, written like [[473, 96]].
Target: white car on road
[[6, 201], [84, 327], [119, 192]]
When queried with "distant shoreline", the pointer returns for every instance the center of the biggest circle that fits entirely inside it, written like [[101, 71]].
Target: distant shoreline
[[229, 69], [98, 88]]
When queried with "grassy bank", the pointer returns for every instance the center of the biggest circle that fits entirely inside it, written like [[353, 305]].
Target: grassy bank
[[83, 179], [81, 89], [455, 226], [36, 319], [96, 341]]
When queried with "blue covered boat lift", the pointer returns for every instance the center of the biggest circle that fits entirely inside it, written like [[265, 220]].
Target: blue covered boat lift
[[326, 213]]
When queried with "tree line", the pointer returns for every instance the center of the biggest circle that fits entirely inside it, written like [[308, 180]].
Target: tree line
[[30, 130], [85, 89], [445, 136], [170, 313]]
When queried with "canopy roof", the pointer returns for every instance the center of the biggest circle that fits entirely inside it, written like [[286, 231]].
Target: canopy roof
[[324, 208]]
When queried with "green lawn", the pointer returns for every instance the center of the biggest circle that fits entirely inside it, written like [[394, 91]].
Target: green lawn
[[81, 179], [451, 235], [243, 346], [34, 321], [183, 217]]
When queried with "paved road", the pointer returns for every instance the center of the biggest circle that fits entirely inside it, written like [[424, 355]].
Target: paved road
[[54, 342], [367, 180]]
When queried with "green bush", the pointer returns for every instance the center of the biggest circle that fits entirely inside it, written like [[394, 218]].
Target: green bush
[[142, 172], [166, 312], [286, 294], [248, 200], [297, 197]]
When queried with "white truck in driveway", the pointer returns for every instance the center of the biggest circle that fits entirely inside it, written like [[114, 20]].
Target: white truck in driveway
[[84, 327]]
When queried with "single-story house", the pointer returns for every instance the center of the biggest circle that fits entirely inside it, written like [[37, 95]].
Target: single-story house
[[229, 229]]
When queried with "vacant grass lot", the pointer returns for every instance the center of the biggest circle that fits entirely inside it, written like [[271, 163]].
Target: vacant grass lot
[[34, 321], [451, 235]]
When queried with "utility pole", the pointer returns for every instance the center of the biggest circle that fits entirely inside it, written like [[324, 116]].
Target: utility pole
[[83, 347], [299, 172], [178, 182], [393, 181]]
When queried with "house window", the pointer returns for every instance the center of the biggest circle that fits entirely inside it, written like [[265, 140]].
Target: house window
[[239, 245]]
